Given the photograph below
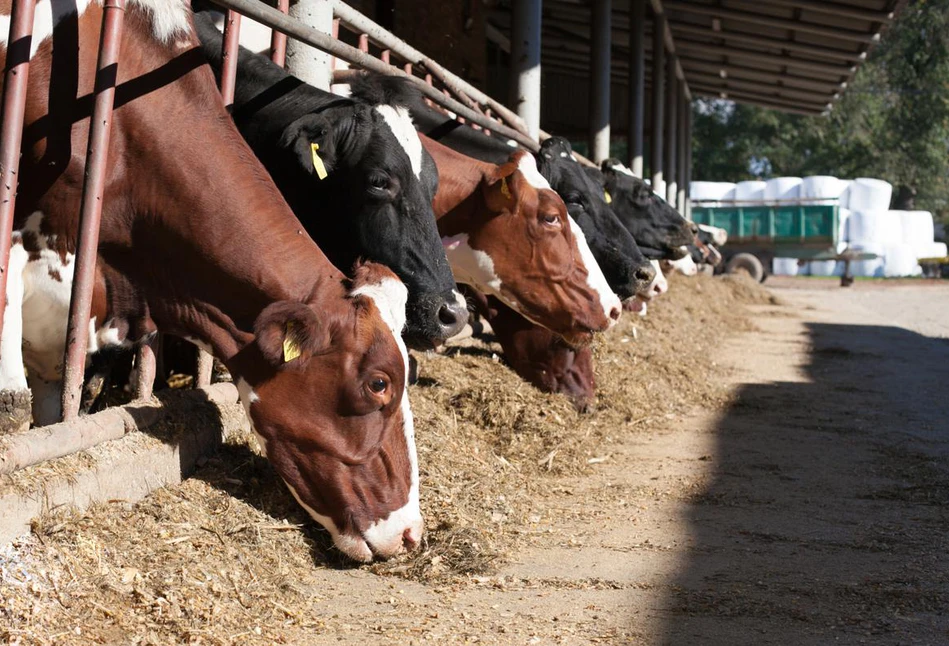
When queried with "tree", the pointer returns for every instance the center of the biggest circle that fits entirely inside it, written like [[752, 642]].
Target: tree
[[892, 121]]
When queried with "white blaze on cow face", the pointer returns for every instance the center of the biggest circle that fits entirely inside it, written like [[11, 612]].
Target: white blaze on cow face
[[385, 536], [528, 167], [659, 285], [168, 18], [595, 278], [400, 123]]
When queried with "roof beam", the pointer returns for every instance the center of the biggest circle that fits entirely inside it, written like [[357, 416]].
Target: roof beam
[[771, 21], [771, 43], [786, 61], [836, 9], [761, 99], [733, 84], [750, 74]]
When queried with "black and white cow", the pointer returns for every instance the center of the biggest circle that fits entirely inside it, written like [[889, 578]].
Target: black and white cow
[[658, 228], [355, 173], [626, 270]]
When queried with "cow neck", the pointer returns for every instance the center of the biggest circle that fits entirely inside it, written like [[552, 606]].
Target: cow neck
[[459, 181], [237, 248]]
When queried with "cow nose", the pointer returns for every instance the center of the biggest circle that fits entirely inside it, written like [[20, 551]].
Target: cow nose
[[615, 313], [453, 315], [409, 539], [694, 228]]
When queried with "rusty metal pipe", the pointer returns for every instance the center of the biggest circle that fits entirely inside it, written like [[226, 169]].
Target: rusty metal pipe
[[229, 50], [278, 41], [15, 78], [90, 214]]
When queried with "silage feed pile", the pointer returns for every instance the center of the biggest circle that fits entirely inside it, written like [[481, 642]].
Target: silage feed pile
[[228, 549]]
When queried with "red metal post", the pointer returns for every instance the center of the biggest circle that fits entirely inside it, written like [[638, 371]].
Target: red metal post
[[428, 101], [278, 41], [230, 48], [407, 69], [335, 37], [385, 55], [90, 214], [364, 43], [15, 80]]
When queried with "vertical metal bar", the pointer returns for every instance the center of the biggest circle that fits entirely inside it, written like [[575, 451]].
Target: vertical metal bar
[[669, 154], [525, 62], [230, 48], [407, 68], [145, 365], [428, 101], [309, 64], [600, 63], [637, 85], [681, 143], [335, 34], [385, 55], [203, 369], [688, 161], [90, 214], [658, 97], [364, 43], [278, 41], [15, 80]]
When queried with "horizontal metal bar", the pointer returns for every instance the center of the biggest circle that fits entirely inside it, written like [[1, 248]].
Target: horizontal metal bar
[[272, 18], [751, 74], [731, 52], [835, 9], [765, 102], [730, 83], [771, 21]]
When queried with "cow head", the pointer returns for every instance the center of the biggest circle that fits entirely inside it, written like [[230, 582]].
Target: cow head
[[626, 269], [371, 186], [658, 228], [325, 390], [516, 242]]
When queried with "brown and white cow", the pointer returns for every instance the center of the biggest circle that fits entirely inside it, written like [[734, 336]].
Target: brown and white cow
[[197, 241], [507, 234]]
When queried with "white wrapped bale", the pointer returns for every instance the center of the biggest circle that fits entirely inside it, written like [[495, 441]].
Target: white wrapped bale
[[868, 194], [843, 224], [750, 191], [823, 268], [933, 250], [901, 261], [712, 191], [868, 268], [823, 189], [874, 227], [785, 267], [918, 229], [782, 188]]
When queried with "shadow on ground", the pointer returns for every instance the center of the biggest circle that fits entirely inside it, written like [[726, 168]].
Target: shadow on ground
[[826, 516]]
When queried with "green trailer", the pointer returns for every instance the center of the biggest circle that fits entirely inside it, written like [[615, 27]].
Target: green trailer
[[759, 232]]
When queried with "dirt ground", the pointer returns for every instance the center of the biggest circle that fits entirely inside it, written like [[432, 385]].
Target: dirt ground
[[805, 501]]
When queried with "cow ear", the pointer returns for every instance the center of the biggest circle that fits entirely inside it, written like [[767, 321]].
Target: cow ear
[[288, 332], [500, 192], [310, 139]]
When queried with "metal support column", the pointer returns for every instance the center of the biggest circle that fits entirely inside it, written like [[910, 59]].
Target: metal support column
[[637, 84], [90, 213], [230, 47], [669, 154], [15, 80], [682, 139], [688, 162], [525, 63], [600, 64], [278, 41], [308, 63], [658, 101]]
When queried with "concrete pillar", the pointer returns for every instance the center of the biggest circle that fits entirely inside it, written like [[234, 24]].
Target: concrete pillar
[[683, 142], [600, 64], [525, 62], [305, 62], [658, 100], [637, 84], [669, 154]]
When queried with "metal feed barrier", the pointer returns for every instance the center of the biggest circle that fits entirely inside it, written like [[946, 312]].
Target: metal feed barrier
[[439, 86]]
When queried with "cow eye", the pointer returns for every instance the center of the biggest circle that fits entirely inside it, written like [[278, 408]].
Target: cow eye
[[573, 199], [378, 385], [379, 181], [550, 219]]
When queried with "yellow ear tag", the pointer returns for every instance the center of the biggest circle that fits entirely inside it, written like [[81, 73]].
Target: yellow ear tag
[[317, 162], [290, 348], [606, 195], [505, 191]]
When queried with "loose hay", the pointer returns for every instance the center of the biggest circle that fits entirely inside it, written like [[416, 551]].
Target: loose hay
[[228, 555]]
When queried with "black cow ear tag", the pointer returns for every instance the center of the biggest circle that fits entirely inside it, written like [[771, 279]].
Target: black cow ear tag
[[318, 162], [291, 349]]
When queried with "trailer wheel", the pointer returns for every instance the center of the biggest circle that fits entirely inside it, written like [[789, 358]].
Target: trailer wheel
[[748, 263]]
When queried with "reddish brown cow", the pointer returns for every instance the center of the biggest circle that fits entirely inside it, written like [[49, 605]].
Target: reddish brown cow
[[197, 241], [507, 234]]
